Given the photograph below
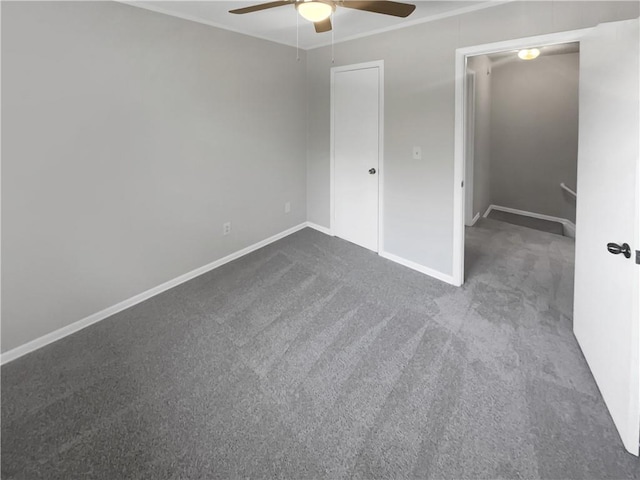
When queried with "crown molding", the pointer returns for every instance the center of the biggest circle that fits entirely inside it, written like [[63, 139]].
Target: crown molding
[[407, 24]]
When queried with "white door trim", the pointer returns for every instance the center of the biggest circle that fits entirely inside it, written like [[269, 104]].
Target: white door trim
[[469, 143], [345, 68], [459, 139]]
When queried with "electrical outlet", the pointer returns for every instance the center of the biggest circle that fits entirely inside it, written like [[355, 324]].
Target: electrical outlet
[[417, 153], [287, 207], [226, 228]]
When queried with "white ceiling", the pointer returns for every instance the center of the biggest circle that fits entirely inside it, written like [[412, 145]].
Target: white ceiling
[[279, 24]]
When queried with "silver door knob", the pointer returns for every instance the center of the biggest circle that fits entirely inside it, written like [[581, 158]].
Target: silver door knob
[[372, 171]]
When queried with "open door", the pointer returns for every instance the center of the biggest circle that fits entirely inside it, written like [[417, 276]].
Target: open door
[[607, 278]]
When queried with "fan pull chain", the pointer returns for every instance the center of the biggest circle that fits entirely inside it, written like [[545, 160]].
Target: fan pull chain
[[333, 27], [297, 37]]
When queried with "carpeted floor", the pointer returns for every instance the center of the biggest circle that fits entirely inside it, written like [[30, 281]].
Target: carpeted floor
[[314, 358], [525, 221]]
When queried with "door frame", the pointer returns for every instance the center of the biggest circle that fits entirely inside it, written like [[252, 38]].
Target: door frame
[[460, 131], [345, 68], [469, 145]]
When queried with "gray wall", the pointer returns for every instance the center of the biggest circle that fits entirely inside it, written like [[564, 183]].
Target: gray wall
[[481, 65], [419, 110], [534, 134], [129, 137]]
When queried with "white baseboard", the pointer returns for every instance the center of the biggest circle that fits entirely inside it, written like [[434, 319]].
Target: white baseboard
[[44, 340], [474, 220], [568, 226], [569, 229], [420, 268], [394, 258], [130, 302], [525, 213], [319, 228]]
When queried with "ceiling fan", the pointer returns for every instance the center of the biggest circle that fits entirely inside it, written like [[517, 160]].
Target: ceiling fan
[[319, 11]]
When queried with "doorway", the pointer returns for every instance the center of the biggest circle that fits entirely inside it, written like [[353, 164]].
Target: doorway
[[526, 114], [356, 153], [461, 131], [606, 298]]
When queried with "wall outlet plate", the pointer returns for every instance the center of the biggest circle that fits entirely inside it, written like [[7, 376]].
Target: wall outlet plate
[[287, 207], [226, 228], [417, 153]]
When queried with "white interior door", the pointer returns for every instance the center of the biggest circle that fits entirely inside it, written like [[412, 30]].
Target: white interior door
[[356, 150], [607, 286]]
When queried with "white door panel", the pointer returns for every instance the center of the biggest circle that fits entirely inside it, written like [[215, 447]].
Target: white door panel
[[356, 128], [607, 286]]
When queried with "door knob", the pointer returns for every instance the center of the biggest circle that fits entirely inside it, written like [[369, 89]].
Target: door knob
[[616, 249], [372, 171]]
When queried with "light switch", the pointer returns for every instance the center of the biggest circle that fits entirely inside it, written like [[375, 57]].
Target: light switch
[[417, 153]]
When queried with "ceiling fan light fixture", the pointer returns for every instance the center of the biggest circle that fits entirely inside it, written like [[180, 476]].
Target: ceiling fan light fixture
[[529, 53], [315, 10]]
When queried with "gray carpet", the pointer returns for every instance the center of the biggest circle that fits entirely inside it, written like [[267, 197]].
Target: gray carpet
[[529, 222], [314, 358]]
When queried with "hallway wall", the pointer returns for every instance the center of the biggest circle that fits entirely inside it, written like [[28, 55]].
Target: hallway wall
[[481, 65], [534, 134]]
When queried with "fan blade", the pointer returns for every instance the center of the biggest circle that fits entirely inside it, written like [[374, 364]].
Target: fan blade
[[323, 26], [262, 6], [396, 9]]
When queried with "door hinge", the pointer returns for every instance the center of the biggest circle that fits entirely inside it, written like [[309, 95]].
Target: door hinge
[[638, 257]]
